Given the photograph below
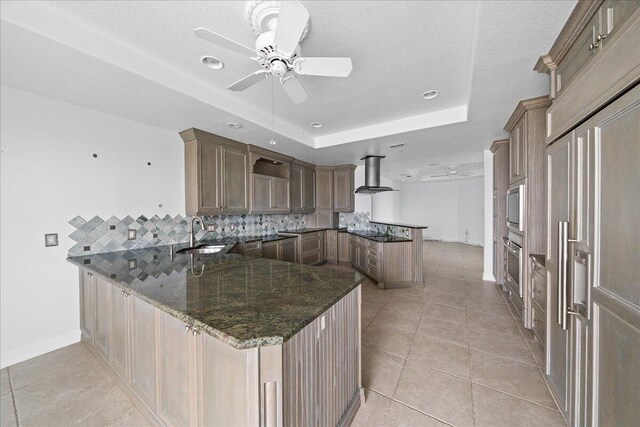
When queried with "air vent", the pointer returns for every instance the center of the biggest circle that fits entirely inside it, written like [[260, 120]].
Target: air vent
[[398, 145]]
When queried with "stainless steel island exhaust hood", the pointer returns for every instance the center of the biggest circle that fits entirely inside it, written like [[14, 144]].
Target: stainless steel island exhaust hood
[[372, 176]]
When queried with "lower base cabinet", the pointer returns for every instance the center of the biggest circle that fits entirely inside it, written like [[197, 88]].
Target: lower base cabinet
[[180, 376], [282, 250]]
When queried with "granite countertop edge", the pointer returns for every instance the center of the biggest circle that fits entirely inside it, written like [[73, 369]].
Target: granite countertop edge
[[215, 333], [398, 224]]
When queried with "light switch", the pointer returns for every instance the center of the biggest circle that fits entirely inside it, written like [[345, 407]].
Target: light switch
[[51, 239]]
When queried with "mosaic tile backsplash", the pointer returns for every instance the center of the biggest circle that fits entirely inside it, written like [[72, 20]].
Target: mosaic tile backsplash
[[98, 235]]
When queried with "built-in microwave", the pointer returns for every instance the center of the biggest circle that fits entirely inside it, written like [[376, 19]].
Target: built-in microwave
[[515, 208]]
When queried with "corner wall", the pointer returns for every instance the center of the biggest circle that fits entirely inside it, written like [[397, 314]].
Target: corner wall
[[48, 176]]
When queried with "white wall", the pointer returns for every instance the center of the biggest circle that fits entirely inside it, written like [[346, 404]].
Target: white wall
[[488, 217], [48, 176], [448, 208]]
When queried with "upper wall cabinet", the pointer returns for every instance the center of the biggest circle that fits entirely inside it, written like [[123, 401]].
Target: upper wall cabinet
[[216, 174], [270, 180], [303, 187], [593, 60], [343, 188], [526, 141], [324, 187]]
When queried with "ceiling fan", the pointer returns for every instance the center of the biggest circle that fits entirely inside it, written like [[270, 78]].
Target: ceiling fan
[[451, 173], [277, 50]]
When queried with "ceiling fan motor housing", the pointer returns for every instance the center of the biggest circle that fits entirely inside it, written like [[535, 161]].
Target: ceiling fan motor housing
[[270, 58], [262, 16]]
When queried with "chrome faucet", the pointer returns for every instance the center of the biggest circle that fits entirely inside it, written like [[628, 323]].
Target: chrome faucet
[[192, 235]]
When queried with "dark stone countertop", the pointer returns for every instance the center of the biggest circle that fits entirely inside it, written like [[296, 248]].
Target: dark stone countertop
[[398, 224], [311, 230], [377, 237], [244, 301]]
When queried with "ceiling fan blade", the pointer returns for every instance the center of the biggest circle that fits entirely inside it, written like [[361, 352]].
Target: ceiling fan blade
[[329, 67], [292, 18], [294, 89], [222, 41], [249, 81]]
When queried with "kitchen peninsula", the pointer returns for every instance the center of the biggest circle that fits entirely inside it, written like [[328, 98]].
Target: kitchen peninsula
[[225, 339]]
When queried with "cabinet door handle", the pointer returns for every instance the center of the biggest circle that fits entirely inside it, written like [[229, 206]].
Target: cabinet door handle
[[89, 274], [601, 37], [593, 46], [187, 328]]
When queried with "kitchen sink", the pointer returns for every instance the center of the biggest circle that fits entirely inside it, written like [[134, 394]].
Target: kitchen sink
[[202, 250]]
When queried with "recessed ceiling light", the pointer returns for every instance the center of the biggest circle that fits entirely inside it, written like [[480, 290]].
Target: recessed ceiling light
[[234, 125], [316, 125], [430, 94], [273, 142], [212, 62]]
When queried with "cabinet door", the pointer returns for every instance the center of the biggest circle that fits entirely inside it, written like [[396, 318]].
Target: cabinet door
[[353, 251], [87, 305], [209, 185], [119, 342], [103, 320], [143, 350], [579, 54], [280, 191], [309, 189], [343, 190], [614, 14], [518, 151], [235, 180], [343, 247], [297, 196], [261, 194], [362, 256], [615, 291], [557, 159], [177, 365], [331, 245], [270, 250], [324, 189], [289, 250]]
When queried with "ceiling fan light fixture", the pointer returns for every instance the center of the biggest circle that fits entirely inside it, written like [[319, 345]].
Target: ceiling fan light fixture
[[430, 94], [212, 62], [273, 142], [316, 125]]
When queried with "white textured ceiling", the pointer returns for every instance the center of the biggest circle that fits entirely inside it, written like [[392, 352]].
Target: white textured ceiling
[[140, 60]]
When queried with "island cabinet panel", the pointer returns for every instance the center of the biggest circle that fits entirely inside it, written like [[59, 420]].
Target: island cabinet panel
[[228, 383], [102, 318], [119, 332], [87, 305], [321, 368], [143, 354], [177, 365]]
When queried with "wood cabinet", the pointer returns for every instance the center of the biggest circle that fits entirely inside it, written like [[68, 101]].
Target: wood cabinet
[[102, 316], [343, 188], [303, 187], [324, 188], [310, 248], [281, 250], [527, 127], [343, 246], [269, 194], [331, 246], [216, 174], [270, 179], [500, 150], [181, 376]]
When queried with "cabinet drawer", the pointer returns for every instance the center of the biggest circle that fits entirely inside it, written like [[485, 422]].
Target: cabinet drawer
[[252, 246], [539, 326], [539, 289], [372, 271], [311, 257], [310, 245]]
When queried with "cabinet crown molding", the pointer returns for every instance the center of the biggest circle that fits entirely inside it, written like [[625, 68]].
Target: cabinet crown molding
[[525, 105], [268, 153], [194, 134], [498, 143], [580, 16]]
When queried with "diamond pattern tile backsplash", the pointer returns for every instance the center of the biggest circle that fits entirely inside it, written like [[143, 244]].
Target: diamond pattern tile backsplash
[[98, 235]]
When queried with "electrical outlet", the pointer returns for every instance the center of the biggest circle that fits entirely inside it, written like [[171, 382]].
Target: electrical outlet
[[211, 227], [132, 234], [133, 264], [51, 239]]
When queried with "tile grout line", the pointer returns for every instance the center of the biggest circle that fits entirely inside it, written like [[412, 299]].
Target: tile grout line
[[13, 398]]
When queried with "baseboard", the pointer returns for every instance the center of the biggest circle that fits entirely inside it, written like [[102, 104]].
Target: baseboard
[[479, 245], [488, 277], [27, 352]]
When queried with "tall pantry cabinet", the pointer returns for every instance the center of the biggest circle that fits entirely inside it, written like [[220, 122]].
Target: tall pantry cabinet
[[500, 150], [593, 215]]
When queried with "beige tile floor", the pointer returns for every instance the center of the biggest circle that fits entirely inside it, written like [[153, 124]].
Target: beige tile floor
[[449, 352]]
